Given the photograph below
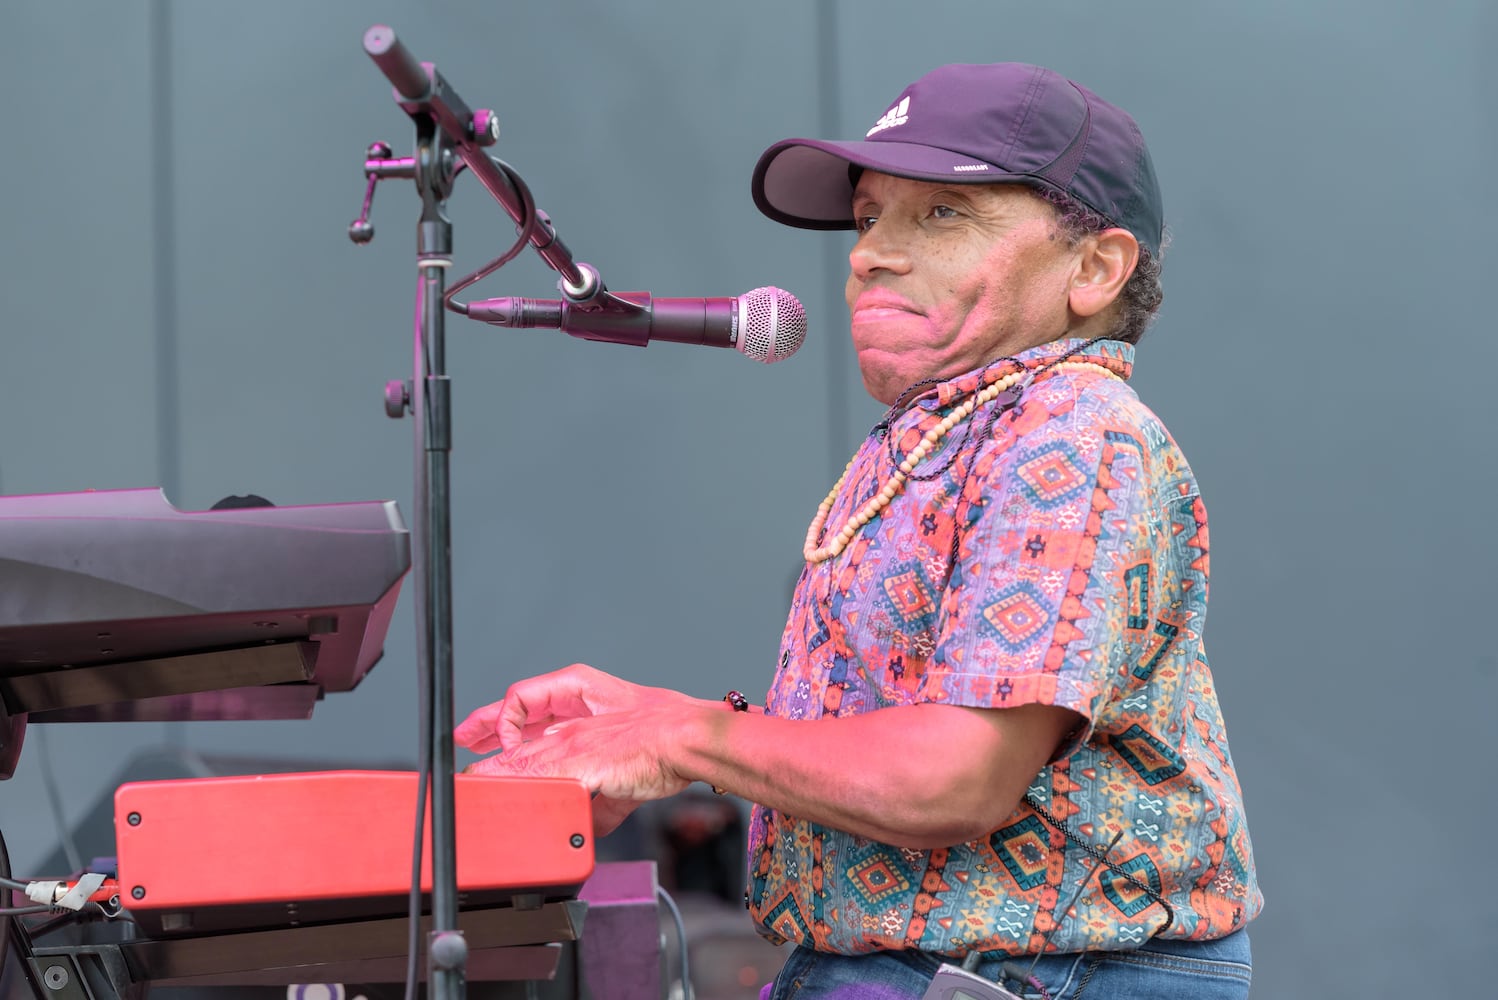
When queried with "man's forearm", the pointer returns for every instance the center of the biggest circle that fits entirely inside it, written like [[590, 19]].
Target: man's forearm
[[918, 776]]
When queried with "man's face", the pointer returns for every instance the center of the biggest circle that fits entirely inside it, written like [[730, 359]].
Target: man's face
[[945, 278]]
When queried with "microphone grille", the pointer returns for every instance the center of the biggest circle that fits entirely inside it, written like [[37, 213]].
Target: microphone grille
[[772, 324]]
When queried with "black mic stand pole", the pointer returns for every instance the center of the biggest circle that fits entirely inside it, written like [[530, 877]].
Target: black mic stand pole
[[431, 403], [446, 132]]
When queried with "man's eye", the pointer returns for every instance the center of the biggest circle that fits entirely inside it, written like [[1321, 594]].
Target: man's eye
[[863, 223], [944, 212]]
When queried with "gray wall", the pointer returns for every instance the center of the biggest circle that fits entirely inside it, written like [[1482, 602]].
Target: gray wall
[[181, 308]]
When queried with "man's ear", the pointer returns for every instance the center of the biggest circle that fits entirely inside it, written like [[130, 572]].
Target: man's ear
[[1106, 262]]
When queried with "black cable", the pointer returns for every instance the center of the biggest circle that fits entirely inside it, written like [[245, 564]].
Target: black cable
[[526, 228], [424, 698], [1045, 941], [413, 906], [4, 919], [419, 556], [993, 415], [1102, 859], [46, 927], [681, 938], [94, 911], [987, 435]]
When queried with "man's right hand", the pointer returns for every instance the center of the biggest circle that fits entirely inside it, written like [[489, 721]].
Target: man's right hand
[[581, 723], [533, 705]]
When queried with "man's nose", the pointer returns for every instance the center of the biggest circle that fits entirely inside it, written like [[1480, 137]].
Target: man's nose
[[879, 248]]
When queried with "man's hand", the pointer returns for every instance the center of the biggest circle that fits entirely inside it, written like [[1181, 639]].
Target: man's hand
[[530, 706], [946, 774], [613, 736]]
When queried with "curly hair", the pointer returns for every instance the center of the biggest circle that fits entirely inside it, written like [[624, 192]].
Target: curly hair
[[1142, 295]]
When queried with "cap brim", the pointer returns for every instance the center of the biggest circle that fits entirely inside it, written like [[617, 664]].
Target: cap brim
[[806, 182]]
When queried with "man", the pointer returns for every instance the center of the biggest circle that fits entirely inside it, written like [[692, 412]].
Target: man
[[993, 734]]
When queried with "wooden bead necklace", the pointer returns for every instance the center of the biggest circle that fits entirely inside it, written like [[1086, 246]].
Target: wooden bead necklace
[[876, 504]]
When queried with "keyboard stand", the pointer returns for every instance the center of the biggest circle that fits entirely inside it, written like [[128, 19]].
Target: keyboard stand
[[513, 949], [504, 943]]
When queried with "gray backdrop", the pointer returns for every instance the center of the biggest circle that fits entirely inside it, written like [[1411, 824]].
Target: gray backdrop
[[181, 308]]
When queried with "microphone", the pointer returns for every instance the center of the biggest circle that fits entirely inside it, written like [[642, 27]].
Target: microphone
[[767, 324]]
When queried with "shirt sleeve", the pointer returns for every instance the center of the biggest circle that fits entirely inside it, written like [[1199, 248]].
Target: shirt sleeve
[[1054, 527]]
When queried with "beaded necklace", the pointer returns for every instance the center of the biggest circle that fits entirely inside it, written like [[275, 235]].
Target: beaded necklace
[[906, 467]]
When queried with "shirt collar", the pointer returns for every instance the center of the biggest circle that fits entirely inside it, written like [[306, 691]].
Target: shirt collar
[[1114, 355]]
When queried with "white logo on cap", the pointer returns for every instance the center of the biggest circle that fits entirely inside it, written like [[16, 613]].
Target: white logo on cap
[[897, 115], [972, 166]]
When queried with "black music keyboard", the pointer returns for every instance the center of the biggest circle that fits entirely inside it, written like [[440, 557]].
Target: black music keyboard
[[117, 606]]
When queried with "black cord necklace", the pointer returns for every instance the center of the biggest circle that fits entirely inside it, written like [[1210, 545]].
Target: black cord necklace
[[1001, 405]]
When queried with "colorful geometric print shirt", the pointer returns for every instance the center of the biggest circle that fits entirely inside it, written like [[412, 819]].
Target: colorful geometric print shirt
[[1058, 556]]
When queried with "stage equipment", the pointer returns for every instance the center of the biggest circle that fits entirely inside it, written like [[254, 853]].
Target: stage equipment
[[533, 949], [451, 137], [116, 606], [953, 982], [206, 855], [766, 324]]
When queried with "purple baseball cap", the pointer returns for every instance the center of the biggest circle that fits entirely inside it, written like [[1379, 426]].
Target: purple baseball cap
[[977, 124]]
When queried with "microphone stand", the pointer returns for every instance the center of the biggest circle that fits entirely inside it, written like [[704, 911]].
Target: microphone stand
[[449, 137]]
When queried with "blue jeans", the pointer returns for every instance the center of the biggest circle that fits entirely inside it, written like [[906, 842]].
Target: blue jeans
[[1160, 970]]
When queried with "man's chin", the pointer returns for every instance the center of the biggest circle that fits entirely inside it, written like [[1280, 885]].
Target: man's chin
[[887, 374], [883, 386]]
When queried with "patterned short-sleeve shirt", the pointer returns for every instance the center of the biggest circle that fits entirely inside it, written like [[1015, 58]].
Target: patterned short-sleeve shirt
[[1057, 555]]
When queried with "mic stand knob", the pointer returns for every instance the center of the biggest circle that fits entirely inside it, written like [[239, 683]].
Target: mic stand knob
[[485, 127], [397, 398]]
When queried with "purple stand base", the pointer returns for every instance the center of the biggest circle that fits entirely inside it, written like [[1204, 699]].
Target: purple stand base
[[619, 955]]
